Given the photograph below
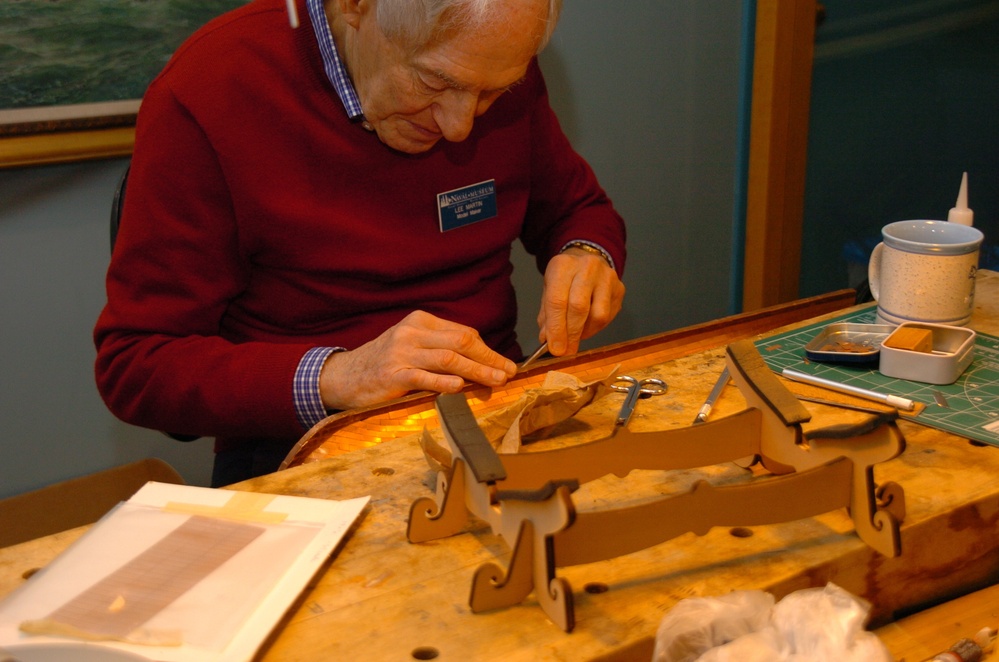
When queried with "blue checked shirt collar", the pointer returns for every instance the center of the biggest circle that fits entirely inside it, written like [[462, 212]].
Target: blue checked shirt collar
[[335, 70]]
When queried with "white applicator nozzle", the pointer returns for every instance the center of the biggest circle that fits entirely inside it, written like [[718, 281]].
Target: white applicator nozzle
[[960, 212]]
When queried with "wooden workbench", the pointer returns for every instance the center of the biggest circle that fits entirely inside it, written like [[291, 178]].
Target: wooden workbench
[[384, 598]]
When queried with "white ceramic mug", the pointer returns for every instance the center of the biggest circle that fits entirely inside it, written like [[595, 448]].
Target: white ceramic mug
[[924, 271]]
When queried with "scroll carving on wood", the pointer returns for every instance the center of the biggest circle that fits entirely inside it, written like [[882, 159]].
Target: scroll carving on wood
[[526, 498]]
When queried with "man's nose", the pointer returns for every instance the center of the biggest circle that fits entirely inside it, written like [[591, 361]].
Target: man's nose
[[455, 114]]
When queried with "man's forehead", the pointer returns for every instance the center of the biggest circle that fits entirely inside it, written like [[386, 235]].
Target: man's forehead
[[485, 57]]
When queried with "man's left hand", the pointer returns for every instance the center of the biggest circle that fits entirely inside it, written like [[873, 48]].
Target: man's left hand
[[582, 295]]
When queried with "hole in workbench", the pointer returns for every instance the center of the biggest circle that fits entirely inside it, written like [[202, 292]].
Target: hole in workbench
[[596, 587], [425, 653], [741, 532]]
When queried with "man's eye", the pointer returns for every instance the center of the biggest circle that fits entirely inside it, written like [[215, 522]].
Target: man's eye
[[430, 85]]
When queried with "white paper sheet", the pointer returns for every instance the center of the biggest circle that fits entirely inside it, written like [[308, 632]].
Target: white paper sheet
[[228, 612]]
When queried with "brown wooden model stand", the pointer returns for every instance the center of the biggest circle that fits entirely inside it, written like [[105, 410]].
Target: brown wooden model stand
[[526, 498]]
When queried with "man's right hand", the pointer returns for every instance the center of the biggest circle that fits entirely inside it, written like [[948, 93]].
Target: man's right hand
[[420, 353]]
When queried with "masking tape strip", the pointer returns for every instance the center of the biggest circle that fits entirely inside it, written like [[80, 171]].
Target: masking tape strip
[[242, 507]]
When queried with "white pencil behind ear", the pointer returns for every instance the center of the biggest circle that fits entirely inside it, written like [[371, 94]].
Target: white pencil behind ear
[[292, 14]]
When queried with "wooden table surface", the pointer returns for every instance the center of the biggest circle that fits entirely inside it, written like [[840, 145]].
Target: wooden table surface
[[381, 597]]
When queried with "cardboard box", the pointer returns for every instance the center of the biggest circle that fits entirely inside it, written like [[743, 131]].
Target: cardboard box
[[78, 501]]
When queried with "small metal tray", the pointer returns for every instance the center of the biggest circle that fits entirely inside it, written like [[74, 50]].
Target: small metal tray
[[953, 351], [848, 343]]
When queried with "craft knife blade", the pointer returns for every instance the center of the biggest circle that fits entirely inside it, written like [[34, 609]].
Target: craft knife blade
[[705, 410], [535, 356]]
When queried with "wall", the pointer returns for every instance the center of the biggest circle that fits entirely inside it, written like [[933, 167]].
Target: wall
[[646, 90], [905, 98], [54, 249]]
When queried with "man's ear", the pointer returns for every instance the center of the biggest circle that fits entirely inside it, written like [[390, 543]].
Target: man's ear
[[352, 10]]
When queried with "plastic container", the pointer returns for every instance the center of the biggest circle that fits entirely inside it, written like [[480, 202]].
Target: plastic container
[[953, 351]]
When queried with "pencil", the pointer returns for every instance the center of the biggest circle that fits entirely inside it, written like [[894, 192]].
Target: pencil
[[292, 14]]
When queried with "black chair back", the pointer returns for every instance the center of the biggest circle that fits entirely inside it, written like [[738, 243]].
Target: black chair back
[[117, 204]]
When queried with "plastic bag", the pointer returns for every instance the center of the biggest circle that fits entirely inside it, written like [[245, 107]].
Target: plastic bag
[[696, 625], [814, 625]]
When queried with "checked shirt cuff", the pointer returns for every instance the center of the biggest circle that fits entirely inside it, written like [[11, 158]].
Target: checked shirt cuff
[[305, 389]]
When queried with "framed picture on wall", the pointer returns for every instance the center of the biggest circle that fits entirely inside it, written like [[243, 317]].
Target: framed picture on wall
[[72, 72]]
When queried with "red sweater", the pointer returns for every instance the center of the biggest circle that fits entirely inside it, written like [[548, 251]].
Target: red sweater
[[260, 222]]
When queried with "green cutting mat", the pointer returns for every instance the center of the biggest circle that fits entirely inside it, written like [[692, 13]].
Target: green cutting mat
[[972, 409]]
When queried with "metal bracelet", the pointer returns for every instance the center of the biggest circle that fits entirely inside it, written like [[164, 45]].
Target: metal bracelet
[[589, 248]]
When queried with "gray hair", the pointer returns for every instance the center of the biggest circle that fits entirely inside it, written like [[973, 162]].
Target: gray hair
[[416, 22]]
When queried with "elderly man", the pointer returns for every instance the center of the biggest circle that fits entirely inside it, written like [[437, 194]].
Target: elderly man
[[322, 218]]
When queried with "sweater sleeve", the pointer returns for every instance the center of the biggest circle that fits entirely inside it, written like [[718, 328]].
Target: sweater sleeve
[[567, 202], [162, 359]]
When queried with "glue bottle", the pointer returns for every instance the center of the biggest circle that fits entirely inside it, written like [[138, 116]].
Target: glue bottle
[[960, 213]]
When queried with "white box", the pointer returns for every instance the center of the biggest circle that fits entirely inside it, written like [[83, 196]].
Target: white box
[[953, 350]]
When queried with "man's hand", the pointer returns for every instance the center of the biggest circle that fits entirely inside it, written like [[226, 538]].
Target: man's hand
[[582, 295], [420, 353]]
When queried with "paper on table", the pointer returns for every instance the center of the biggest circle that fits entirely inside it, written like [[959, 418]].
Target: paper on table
[[225, 615]]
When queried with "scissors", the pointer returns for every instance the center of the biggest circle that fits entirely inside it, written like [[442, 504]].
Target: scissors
[[635, 388]]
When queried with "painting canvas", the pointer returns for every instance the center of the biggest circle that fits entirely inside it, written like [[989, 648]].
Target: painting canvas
[[81, 64]]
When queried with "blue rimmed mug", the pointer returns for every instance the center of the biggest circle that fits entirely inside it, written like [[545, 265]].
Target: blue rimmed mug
[[924, 271]]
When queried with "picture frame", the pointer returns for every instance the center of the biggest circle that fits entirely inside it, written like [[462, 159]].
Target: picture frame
[[72, 72], [60, 134]]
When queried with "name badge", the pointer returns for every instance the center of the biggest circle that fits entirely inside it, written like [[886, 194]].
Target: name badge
[[466, 205]]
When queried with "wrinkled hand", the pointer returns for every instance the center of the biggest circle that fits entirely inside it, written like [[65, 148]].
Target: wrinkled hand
[[582, 295], [420, 353]]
